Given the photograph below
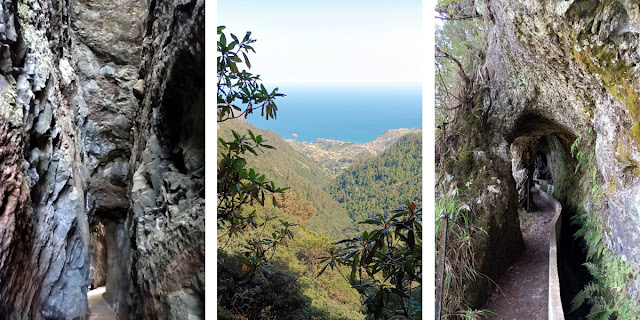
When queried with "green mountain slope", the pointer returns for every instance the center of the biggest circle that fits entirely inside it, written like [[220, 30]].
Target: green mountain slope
[[291, 288], [334, 156], [381, 183], [288, 168]]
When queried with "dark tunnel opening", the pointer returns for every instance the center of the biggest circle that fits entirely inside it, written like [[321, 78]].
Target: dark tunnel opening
[[540, 151], [541, 170]]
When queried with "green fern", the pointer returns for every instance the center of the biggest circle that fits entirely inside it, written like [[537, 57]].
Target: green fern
[[585, 294], [600, 310], [608, 293], [593, 242]]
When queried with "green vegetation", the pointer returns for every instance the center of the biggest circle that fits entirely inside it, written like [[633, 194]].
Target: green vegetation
[[608, 293], [460, 155], [235, 84], [390, 255], [258, 280], [240, 187], [287, 287], [379, 184], [460, 44], [270, 251], [287, 167], [331, 295], [458, 264]]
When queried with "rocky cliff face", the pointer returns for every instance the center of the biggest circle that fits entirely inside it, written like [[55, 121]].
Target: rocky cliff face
[[557, 72], [45, 232], [570, 68], [166, 220], [106, 51], [73, 212]]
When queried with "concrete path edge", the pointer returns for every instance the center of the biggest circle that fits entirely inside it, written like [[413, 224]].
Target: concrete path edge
[[555, 303]]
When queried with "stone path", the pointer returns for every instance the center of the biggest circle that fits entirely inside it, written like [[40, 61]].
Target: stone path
[[525, 285], [99, 309]]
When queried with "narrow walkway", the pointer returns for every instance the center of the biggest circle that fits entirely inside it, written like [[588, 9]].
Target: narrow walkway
[[525, 285], [99, 309]]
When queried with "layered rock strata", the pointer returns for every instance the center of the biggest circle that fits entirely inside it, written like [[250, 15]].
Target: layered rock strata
[[101, 176]]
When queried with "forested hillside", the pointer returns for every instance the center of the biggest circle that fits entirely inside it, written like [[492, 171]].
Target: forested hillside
[[382, 183], [286, 249], [288, 168], [335, 156], [288, 286], [372, 185]]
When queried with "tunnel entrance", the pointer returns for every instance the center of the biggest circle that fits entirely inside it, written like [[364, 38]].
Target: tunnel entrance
[[541, 171], [540, 153], [106, 265]]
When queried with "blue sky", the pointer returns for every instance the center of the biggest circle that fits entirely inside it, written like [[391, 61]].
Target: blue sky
[[330, 41]]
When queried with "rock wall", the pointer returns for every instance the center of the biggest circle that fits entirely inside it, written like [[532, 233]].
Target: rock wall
[[475, 158], [575, 63], [166, 219], [44, 261], [72, 212], [106, 52], [557, 71]]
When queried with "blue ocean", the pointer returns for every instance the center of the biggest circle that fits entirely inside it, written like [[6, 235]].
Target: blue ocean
[[353, 113]]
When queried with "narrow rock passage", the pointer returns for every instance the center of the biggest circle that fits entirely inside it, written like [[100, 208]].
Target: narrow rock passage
[[525, 285], [99, 309]]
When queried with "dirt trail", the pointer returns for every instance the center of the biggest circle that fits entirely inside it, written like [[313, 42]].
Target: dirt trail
[[525, 285], [99, 309]]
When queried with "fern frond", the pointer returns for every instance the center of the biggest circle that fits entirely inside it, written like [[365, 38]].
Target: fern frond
[[589, 291], [600, 310], [594, 270], [579, 233]]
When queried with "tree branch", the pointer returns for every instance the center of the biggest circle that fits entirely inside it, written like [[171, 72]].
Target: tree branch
[[456, 61], [444, 15]]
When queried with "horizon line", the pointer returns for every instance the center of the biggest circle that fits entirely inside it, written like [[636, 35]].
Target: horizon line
[[312, 82]]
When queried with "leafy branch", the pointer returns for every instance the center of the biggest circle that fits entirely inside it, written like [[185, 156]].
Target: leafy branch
[[443, 54], [391, 257], [240, 187], [444, 15], [234, 84]]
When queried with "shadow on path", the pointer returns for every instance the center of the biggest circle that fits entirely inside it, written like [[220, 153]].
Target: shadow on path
[[523, 289]]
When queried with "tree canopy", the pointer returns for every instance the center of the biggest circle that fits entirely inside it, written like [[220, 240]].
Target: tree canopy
[[460, 43], [379, 184]]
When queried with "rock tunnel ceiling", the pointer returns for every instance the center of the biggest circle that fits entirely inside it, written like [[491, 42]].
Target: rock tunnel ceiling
[[561, 78], [82, 85]]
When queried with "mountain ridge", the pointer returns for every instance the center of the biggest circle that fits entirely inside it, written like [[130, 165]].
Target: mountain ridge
[[288, 168], [334, 156]]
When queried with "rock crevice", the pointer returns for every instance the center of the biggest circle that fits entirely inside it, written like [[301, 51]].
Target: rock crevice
[[75, 117]]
